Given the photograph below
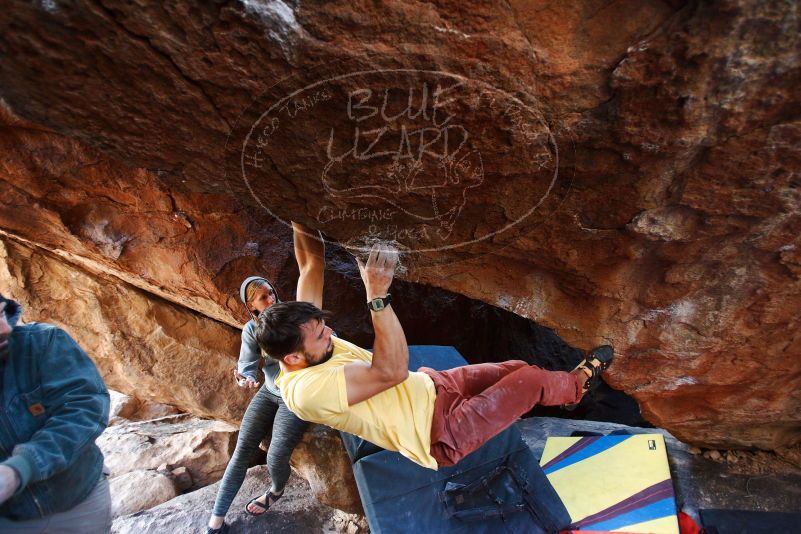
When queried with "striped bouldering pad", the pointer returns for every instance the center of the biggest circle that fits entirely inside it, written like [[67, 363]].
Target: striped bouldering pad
[[615, 483]]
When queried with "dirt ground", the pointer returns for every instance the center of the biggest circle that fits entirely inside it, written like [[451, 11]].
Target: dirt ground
[[755, 462]]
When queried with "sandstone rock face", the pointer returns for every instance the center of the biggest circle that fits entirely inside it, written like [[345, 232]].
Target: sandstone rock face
[[125, 408], [621, 173], [121, 407], [140, 345], [140, 490], [203, 447]]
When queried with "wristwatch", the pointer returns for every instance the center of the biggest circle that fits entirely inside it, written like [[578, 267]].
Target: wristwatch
[[378, 304]]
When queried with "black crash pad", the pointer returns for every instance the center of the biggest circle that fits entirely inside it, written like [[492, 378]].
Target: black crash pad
[[749, 522]]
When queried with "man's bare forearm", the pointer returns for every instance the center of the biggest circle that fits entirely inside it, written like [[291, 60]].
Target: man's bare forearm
[[390, 362], [390, 351], [309, 247], [310, 255]]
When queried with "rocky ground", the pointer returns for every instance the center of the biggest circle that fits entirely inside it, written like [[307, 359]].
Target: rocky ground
[[153, 453], [755, 462], [297, 512], [164, 468], [165, 471]]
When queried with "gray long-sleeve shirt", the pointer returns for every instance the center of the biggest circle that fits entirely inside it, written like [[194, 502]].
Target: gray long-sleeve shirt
[[250, 356]]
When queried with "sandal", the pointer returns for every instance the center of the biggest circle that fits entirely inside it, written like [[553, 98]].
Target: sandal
[[271, 499], [596, 362]]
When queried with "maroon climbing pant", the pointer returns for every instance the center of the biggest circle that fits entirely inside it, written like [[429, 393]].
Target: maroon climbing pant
[[476, 402]]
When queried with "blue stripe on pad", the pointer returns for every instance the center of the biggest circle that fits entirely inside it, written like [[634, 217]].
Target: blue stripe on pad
[[603, 444]]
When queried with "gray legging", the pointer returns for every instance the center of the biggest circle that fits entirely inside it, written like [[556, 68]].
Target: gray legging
[[265, 412]]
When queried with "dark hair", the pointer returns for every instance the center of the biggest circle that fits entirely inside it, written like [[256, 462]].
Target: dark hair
[[278, 327], [12, 308]]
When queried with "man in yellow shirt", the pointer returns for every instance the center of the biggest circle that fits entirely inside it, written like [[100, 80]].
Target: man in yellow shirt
[[434, 418]]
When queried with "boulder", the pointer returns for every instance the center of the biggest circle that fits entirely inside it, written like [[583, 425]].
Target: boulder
[[297, 511], [202, 446], [121, 408], [127, 408], [321, 459], [139, 490], [142, 346], [628, 176]]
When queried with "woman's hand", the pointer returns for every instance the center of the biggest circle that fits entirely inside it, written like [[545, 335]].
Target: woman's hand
[[243, 381]]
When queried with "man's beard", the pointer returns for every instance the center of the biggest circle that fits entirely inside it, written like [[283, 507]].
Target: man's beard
[[325, 358]]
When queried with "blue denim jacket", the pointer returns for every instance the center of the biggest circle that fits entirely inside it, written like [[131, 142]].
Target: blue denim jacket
[[54, 404]]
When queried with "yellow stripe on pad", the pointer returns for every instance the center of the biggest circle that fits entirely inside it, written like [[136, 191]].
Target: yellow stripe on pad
[[555, 447]]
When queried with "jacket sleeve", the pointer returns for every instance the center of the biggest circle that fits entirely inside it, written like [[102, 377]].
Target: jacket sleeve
[[249, 353], [76, 402]]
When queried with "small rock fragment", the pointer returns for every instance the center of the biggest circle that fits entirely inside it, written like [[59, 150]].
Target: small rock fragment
[[182, 478]]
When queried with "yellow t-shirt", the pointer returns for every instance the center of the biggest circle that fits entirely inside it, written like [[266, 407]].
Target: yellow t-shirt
[[397, 419]]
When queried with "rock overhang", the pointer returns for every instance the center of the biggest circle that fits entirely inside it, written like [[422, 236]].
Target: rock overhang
[[670, 231]]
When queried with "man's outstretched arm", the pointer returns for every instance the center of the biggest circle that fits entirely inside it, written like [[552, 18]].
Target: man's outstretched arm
[[310, 255], [390, 365]]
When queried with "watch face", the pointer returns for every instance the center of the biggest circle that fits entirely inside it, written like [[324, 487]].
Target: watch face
[[379, 303]]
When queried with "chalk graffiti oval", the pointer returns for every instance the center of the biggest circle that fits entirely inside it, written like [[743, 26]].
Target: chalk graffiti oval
[[431, 159]]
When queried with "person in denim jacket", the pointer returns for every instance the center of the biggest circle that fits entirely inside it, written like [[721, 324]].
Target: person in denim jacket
[[53, 405]]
